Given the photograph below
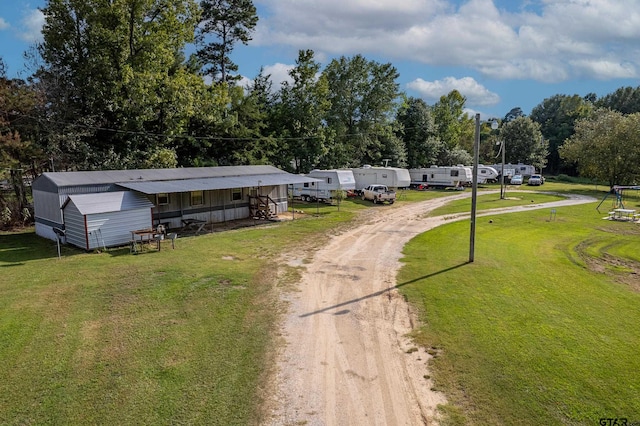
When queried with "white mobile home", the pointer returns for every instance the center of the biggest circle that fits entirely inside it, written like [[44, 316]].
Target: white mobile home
[[208, 194], [327, 183], [393, 177], [442, 176]]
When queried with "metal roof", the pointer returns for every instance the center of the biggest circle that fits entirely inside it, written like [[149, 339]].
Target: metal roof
[[105, 202], [207, 184], [62, 179]]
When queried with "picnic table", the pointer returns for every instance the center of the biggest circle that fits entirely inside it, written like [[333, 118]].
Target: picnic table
[[623, 214], [194, 224], [142, 236]]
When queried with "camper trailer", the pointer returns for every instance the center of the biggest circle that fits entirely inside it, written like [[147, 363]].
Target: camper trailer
[[487, 174], [442, 176], [328, 183], [393, 177], [525, 170]]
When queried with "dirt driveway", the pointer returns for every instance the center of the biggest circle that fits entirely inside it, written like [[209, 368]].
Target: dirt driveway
[[347, 360]]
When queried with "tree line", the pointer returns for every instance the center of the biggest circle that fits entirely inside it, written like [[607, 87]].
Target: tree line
[[114, 89]]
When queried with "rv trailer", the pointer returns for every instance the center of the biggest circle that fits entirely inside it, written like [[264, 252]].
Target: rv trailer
[[442, 176], [328, 183], [525, 170], [487, 174], [393, 177]]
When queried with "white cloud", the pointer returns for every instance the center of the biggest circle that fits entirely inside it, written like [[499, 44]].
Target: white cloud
[[32, 26], [279, 74], [475, 93], [554, 41], [4, 25]]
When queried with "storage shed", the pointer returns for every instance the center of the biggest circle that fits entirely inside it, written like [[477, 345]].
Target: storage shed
[[105, 220]]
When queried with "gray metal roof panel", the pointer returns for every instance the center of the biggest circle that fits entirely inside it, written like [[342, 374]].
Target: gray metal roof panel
[[105, 202], [61, 179], [208, 184]]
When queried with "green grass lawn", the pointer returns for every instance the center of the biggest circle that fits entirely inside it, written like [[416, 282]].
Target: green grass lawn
[[182, 336], [542, 328]]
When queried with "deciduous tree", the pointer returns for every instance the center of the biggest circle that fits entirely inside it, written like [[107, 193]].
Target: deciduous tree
[[116, 79], [418, 131], [606, 146], [524, 142], [556, 116], [363, 98]]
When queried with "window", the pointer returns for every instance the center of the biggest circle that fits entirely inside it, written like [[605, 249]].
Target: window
[[163, 199], [328, 180], [455, 172], [236, 194], [197, 198], [384, 176], [306, 184]]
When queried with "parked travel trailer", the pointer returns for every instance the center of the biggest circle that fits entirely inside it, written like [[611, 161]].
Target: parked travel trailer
[[394, 177], [486, 174], [442, 176], [525, 170], [329, 182]]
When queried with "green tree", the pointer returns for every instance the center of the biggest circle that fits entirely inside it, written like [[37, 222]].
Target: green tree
[[363, 98], [301, 112], [115, 77], [418, 131], [524, 142], [557, 116], [455, 128], [625, 100], [606, 146], [229, 21], [513, 114]]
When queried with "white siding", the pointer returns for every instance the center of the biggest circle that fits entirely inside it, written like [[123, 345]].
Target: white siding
[[109, 229]]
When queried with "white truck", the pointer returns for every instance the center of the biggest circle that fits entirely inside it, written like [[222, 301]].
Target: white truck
[[378, 194]]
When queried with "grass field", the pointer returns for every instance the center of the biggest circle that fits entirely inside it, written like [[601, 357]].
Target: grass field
[[187, 336], [179, 336], [542, 328]]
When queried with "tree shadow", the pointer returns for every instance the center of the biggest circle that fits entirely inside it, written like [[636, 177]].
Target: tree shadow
[[380, 292]]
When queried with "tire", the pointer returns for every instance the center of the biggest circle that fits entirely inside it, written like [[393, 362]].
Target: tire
[[391, 201]]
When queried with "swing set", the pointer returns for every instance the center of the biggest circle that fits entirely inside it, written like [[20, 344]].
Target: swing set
[[618, 196]]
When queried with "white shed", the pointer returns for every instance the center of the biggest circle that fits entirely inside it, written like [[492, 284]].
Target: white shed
[[105, 219]]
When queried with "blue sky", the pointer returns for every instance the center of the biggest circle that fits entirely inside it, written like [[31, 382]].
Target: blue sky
[[500, 54]]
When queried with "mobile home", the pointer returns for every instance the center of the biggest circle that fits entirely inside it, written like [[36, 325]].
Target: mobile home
[[393, 177], [327, 183], [442, 176], [176, 196]]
